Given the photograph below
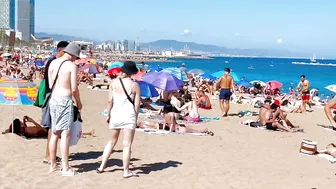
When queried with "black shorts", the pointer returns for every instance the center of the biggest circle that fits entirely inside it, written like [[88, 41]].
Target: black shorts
[[225, 94], [269, 126]]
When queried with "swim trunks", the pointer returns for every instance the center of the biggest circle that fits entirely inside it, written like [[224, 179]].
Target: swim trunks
[[305, 96], [225, 94], [269, 126], [61, 112]]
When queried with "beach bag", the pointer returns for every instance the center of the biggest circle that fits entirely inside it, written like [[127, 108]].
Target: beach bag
[[46, 117], [75, 132], [41, 94]]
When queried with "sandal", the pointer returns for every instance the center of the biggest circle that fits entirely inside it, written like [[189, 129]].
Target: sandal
[[69, 173], [210, 133], [58, 159], [130, 175]]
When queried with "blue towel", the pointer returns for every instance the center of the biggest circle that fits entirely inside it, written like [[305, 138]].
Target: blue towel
[[209, 118]]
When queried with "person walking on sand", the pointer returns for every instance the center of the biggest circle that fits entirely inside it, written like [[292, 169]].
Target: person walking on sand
[[63, 81], [60, 47], [123, 111], [303, 88], [327, 109], [226, 86]]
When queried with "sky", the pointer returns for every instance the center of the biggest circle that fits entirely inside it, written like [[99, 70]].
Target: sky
[[298, 25]]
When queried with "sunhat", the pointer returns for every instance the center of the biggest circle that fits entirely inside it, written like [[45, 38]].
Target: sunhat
[[73, 49], [129, 68]]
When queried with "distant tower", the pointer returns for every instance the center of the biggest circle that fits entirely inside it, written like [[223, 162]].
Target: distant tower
[[7, 14], [26, 18]]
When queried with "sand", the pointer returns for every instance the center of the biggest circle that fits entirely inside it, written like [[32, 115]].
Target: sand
[[236, 157]]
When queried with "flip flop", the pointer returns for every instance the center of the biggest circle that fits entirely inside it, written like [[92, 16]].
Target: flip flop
[[69, 173], [131, 175], [58, 159]]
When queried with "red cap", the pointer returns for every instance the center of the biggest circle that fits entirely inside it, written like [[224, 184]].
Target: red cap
[[277, 102]]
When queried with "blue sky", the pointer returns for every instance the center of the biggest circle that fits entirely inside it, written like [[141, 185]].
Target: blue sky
[[302, 25]]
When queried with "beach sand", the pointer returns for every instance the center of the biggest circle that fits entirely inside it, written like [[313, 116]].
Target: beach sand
[[236, 157]]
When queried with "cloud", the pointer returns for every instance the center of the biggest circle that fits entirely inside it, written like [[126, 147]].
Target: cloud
[[186, 32], [279, 41]]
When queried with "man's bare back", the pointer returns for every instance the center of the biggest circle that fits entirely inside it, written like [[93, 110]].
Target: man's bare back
[[67, 71], [226, 82]]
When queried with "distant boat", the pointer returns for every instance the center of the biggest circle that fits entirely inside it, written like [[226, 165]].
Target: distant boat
[[226, 62], [250, 68], [313, 59], [271, 65]]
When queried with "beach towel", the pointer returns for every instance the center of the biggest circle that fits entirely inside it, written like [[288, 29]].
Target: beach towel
[[247, 113], [41, 94], [209, 118], [330, 158], [154, 131]]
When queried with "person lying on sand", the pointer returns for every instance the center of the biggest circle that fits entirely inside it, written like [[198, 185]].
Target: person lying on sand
[[330, 150], [20, 128], [179, 128]]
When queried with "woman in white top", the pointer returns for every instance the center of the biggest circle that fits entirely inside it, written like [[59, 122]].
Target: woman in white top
[[192, 109], [123, 110]]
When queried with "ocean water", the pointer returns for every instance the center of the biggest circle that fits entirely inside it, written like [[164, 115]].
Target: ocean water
[[282, 70]]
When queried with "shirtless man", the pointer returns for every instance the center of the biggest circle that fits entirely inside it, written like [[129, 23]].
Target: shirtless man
[[271, 121], [303, 88], [204, 101], [226, 86], [262, 111], [327, 109], [63, 71]]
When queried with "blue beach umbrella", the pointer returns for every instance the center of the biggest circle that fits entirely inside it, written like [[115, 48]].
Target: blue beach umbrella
[[147, 90], [244, 83], [208, 76], [39, 63], [156, 69], [177, 72], [221, 73], [115, 65]]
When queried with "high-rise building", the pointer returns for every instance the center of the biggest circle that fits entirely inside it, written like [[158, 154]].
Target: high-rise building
[[124, 45], [26, 18], [7, 14], [118, 46], [137, 46], [131, 45]]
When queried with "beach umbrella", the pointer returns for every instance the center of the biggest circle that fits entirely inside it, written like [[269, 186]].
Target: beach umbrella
[[196, 71], [244, 83], [275, 84], [156, 69], [6, 55], [39, 63], [208, 76], [163, 80], [258, 81], [138, 76], [89, 68], [115, 65], [331, 88], [147, 90], [177, 72], [114, 71], [17, 92], [1, 59], [221, 73]]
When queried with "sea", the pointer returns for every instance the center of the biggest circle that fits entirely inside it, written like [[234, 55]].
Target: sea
[[266, 69]]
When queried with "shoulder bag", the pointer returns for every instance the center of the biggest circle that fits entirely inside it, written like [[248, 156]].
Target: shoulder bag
[[46, 118]]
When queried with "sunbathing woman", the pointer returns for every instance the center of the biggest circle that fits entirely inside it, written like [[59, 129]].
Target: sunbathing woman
[[192, 109], [179, 128], [330, 150]]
